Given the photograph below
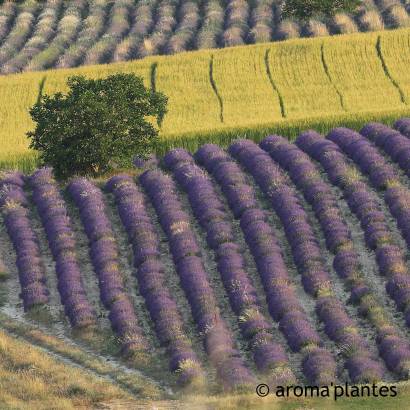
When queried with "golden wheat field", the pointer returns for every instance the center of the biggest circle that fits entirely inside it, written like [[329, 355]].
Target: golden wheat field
[[238, 90]]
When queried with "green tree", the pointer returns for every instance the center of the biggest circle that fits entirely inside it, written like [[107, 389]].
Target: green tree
[[305, 9], [99, 125]]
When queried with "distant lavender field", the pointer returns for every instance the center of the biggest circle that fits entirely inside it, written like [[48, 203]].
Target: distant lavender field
[[57, 33]]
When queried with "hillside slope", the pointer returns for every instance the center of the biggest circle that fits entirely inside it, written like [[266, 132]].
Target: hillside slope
[[280, 262], [239, 90]]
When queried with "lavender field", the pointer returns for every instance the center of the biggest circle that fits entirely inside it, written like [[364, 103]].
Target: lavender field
[[60, 34], [278, 262]]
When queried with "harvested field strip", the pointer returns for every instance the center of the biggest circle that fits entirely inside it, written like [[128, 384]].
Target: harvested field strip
[[257, 103]]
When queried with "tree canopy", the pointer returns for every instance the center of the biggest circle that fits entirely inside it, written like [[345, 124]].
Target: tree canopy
[[99, 125], [305, 9]]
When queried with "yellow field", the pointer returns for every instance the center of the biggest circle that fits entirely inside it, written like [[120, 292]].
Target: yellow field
[[299, 74], [393, 46], [184, 78], [357, 71], [271, 85], [244, 74]]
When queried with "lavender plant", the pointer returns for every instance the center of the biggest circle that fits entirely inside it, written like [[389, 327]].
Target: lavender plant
[[165, 24], [150, 272], [363, 204], [269, 356], [14, 206], [8, 13], [212, 25], [318, 364], [118, 27], [142, 25], [183, 36], [337, 234], [339, 326], [67, 31], [104, 256], [218, 340], [42, 33], [21, 30], [262, 20], [236, 23], [53, 213], [92, 29]]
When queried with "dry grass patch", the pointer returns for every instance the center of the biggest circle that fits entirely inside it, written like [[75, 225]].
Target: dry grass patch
[[31, 379]]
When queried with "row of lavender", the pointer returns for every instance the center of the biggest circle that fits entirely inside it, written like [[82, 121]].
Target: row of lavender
[[105, 259], [318, 364], [150, 272], [57, 224], [14, 206], [338, 237], [359, 360], [269, 356], [218, 339]]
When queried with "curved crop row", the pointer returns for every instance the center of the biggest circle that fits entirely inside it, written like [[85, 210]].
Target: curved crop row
[[92, 28], [126, 29], [218, 340], [142, 25], [151, 278], [393, 142], [378, 237], [183, 37], [21, 30], [67, 31], [363, 203], [314, 28], [210, 212], [42, 33], [104, 255], [369, 18], [381, 175], [7, 13], [119, 25], [236, 23], [346, 263], [318, 364], [164, 27], [341, 328], [403, 126], [212, 25], [14, 206], [261, 22], [53, 213]]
